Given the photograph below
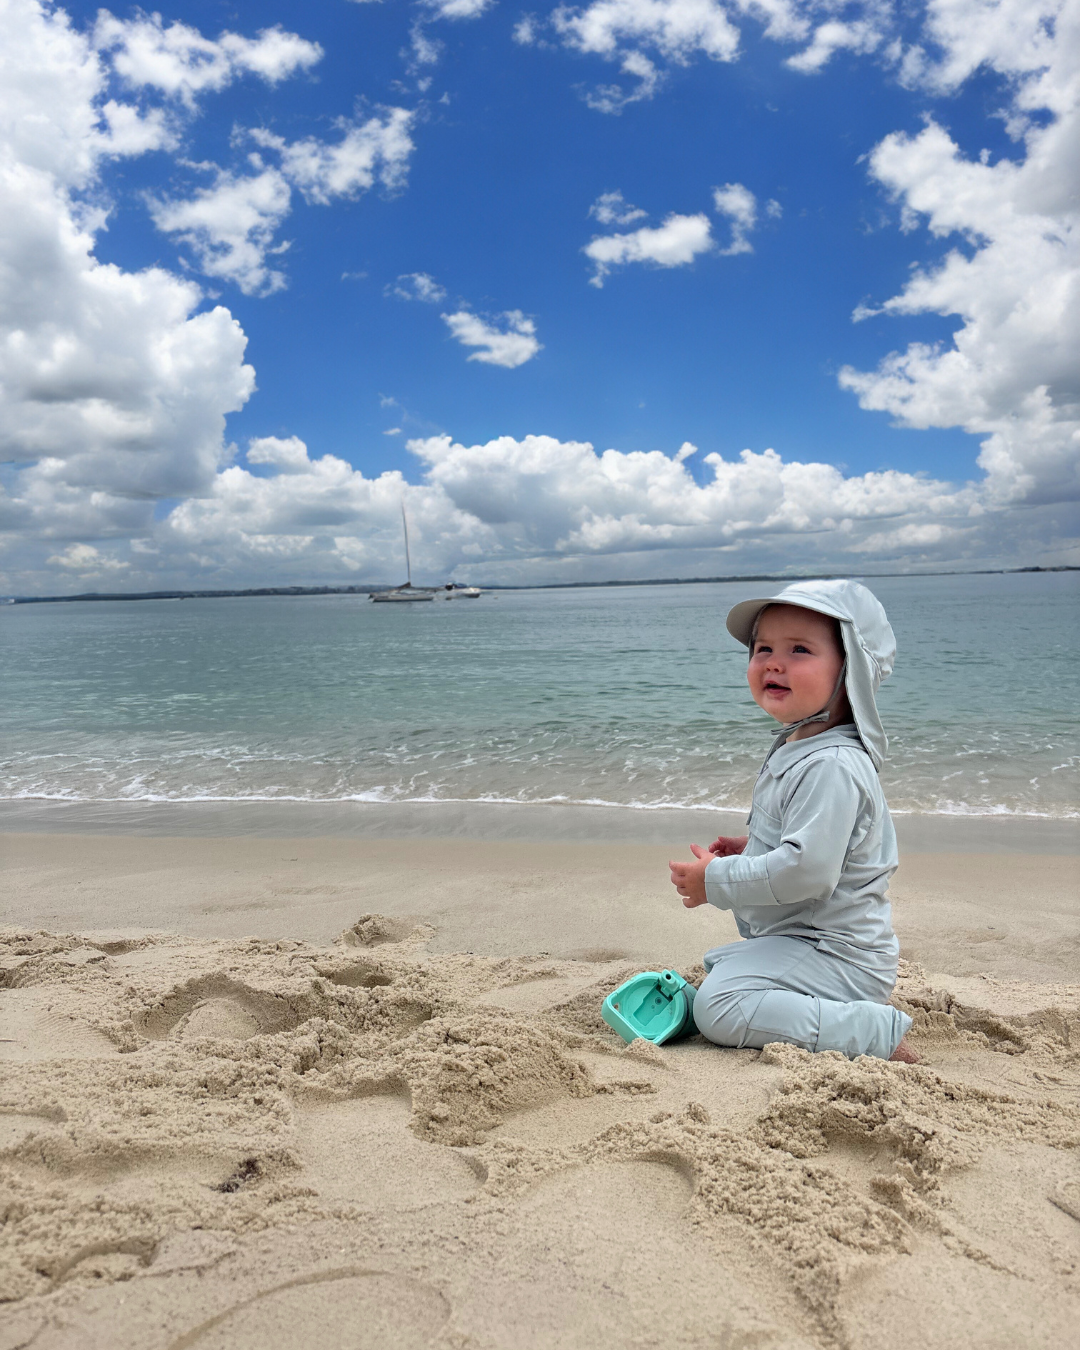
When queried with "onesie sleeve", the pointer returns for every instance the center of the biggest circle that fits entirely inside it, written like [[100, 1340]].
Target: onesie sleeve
[[815, 835]]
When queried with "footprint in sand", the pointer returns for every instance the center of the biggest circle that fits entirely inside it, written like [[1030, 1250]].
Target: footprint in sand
[[220, 1019], [603, 1254], [215, 1006], [615, 1241], [362, 1153], [853, 1156], [593, 1213], [363, 1310], [100, 1262]]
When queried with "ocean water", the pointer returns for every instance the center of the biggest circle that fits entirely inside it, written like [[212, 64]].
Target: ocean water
[[633, 697]]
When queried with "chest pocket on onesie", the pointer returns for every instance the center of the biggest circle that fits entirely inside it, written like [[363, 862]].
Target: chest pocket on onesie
[[764, 830]]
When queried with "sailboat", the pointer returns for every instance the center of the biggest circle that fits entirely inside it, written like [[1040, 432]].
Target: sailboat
[[408, 593]]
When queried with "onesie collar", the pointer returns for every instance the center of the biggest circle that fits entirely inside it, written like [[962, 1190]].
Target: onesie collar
[[793, 752]]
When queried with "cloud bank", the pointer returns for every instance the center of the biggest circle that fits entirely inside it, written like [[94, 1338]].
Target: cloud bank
[[537, 508]]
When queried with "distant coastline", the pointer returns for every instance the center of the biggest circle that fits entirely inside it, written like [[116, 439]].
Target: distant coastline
[[498, 586]]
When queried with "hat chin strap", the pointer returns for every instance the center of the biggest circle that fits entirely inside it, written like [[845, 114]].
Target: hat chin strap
[[822, 716]]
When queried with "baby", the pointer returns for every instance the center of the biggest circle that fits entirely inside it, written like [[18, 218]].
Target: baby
[[808, 885]]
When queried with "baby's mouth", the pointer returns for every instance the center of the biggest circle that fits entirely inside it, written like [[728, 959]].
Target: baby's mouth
[[771, 687]]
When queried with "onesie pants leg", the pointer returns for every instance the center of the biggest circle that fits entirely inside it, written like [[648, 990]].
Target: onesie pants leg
[[783, 989]]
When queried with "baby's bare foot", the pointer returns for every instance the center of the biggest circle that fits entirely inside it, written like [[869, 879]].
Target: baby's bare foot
[[903, 1054]]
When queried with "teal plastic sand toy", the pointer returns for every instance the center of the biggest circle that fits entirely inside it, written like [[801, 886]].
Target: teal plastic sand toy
[[656, 1005]]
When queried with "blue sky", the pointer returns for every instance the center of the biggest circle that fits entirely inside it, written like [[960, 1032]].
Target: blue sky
[[727, 353], [490, 201]]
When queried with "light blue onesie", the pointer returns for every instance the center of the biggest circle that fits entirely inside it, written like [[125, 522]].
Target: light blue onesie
[[809, 892]]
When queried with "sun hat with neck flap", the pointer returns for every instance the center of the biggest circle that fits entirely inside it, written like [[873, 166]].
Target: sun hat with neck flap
[[869, 644]]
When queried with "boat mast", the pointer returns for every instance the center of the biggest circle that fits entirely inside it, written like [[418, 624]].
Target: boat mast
[[405, 527]]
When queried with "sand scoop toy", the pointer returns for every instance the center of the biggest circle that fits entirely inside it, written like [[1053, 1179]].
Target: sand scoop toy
[[656, 1005]]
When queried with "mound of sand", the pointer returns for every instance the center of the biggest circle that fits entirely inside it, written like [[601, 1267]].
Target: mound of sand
[[251, 1143]]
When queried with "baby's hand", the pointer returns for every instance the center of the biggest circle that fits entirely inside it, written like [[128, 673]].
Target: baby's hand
[[689, 878], [728, 845]]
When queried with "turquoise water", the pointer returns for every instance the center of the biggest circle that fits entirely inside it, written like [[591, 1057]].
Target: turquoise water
[[634, 697]]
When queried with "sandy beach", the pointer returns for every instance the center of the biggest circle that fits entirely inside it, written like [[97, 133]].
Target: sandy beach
[[327, 1089]]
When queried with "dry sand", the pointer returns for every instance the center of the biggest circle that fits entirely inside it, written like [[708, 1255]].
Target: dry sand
[[357, 1093]]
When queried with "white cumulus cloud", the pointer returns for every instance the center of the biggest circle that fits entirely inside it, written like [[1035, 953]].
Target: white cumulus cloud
[[510, 344], [179, 61], [427, 50], [230, 226], [1010, 372], [376, 150], [458, 9], [936, 44], [861, 36], [611, 209], [417, 286], [114, 385], [87, 560], [739, 204], [679, 240], [55, 113], [1027, 40], [675, 28], [569, 499], [613, 98], [287, 454], [624, 31]]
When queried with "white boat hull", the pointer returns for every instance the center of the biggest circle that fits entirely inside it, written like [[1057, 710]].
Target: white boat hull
[[458, 593], [400, 597]]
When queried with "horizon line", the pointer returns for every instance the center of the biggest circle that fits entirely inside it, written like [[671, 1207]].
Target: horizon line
[[370, 588]]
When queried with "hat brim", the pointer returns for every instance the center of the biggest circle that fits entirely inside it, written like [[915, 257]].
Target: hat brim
[[742, 617]]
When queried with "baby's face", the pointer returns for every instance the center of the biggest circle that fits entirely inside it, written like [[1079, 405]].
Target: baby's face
[[795, 664]]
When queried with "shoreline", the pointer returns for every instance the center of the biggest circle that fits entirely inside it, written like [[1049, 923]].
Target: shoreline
[[524, 822]]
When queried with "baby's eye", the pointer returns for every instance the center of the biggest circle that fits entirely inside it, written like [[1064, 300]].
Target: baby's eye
[[800, 648], [761, 648]]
